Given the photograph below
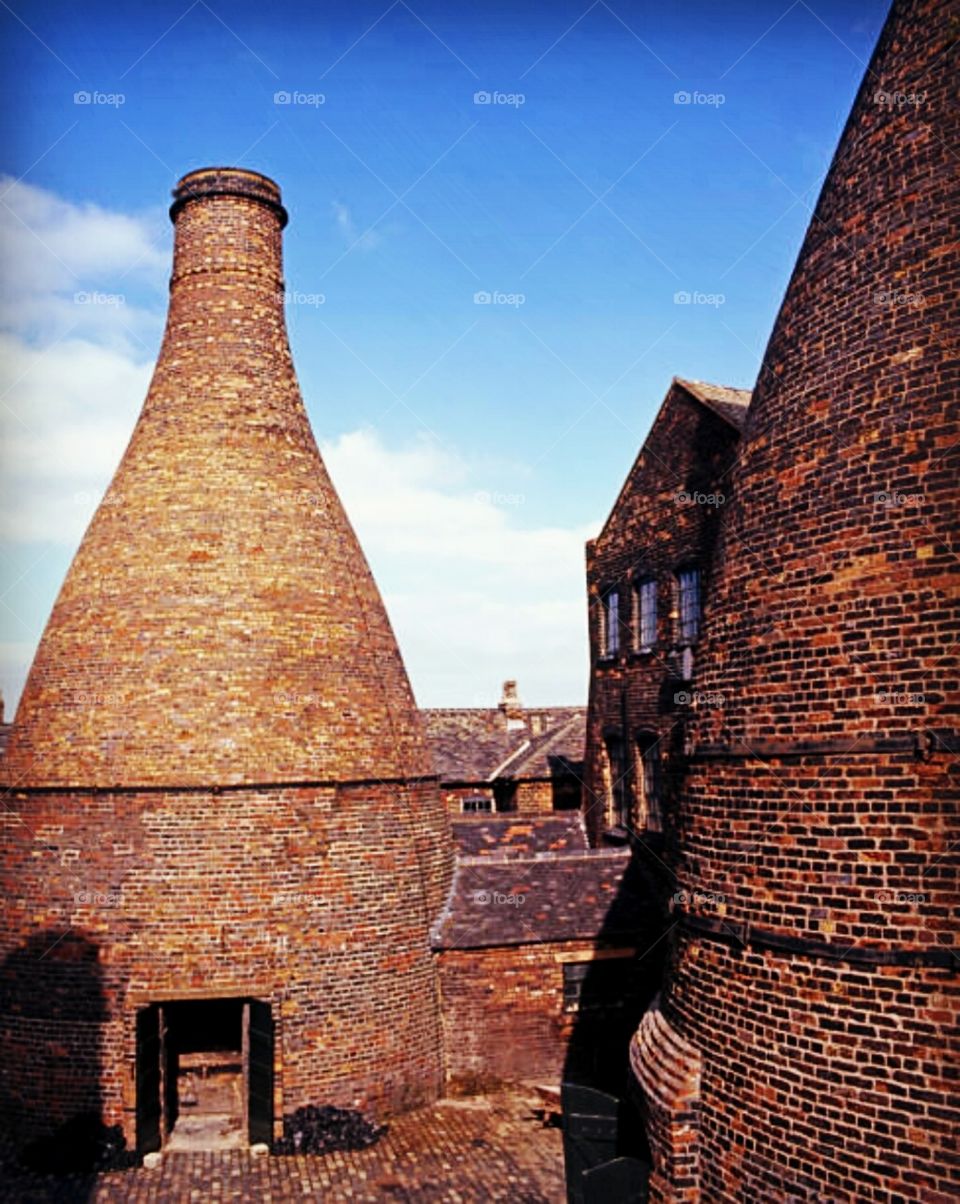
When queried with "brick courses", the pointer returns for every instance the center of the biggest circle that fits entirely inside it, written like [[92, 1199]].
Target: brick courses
[[218, 782], [654, 528], [814, 971]]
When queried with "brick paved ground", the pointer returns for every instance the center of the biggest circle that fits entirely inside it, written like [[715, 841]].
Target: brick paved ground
[[480, 1151]]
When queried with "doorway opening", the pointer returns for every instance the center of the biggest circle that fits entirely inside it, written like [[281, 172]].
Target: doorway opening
[[204, 1074]]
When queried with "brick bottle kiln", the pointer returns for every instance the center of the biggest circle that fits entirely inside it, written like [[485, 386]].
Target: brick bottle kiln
[[222, 828], [800, 1050]]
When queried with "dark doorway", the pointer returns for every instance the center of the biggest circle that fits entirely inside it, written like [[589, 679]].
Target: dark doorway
[[204, 1074]]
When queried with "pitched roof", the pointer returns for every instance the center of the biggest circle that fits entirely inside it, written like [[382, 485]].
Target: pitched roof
[[602, 894], [731, 404], [728, 404], [565, 743], [474, 744], [504, 836]]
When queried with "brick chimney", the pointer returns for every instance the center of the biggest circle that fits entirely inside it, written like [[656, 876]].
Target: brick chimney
[[219, 622], [218, 783], [511, 707], [815, 961]]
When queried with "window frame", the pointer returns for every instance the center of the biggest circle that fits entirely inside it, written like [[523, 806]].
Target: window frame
[[475, 808], [642, 582], [608, 652], [617, 799], [687, 636], [649, 779]]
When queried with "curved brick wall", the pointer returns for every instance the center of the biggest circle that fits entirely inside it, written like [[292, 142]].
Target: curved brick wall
[[219, 622], [309, 898], [815, 969], [217, 779]]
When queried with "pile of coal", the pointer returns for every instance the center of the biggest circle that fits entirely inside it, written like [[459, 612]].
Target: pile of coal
[[314, 1130], [83, 1145]]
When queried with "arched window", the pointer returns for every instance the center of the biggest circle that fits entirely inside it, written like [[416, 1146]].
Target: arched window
[[616, 785], [649, 779], [610, 622]]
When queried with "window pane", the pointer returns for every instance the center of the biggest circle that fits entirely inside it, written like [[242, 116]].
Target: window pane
[[647, 619], [474, 804], [611, 623], [689, 588], [650, 780], [618, 799]]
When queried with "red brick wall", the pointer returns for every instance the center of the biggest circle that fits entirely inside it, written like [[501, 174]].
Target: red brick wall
[[220, 639], [531, 796], [503, 1014], [819, 1081], [651, 532], [817, 969], [316, 900]]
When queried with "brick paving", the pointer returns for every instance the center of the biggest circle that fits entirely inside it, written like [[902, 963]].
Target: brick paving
[[490, 1150]]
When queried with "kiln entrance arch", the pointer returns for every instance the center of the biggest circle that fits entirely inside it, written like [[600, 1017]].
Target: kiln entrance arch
[[204, 1074]]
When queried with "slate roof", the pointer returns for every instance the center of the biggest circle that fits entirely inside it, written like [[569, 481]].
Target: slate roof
[[471, 744], [514, 836], [602, 894], [729, 403], [552, 751]]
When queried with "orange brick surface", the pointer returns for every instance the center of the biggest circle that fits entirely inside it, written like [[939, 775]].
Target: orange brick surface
[[217, 778]]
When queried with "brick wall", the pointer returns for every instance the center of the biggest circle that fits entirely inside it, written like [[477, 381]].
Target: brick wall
[[503, 1012], [315, 900], [654, 528], [815, 970], [219, 781]]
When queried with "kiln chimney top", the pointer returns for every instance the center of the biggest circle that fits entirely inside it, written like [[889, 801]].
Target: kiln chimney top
[[227, 181]]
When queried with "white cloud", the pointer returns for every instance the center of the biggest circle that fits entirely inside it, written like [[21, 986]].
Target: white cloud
[[66, 414], [476, 596], [75, 354], [476, 591], [78, 267]]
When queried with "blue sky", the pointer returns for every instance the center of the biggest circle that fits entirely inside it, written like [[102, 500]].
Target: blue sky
[[476, 446]]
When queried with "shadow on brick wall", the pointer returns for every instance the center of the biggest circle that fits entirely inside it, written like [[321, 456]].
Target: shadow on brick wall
[[613, 995], [52, 1015]]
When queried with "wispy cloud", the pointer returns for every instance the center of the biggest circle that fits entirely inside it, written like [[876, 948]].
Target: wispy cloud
[[366, 240]]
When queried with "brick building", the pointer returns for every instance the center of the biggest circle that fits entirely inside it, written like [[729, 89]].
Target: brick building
[[648, 573], [538, 953], [537, 945], [800, 1048], [228, 866], [222, 830], [509, 757]]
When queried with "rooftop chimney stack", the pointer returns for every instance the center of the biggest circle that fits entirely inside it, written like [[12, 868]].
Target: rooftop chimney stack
[[511, 706]]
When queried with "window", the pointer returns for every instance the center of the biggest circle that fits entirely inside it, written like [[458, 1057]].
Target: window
[[649, 782], [505, 794], [475, 803], [610, 623], [688, 605], [645, 602], [618, 798], [599, 986]]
